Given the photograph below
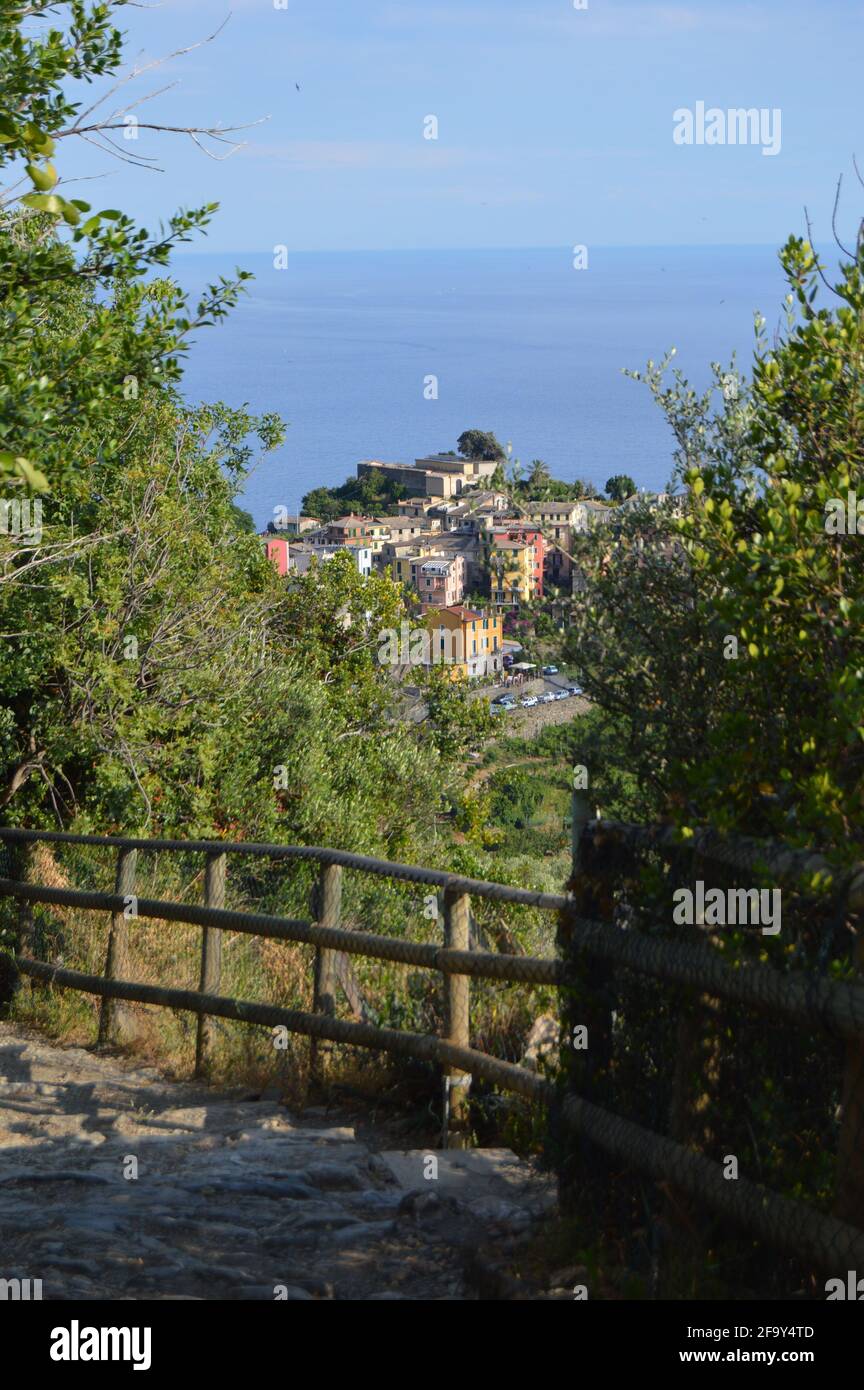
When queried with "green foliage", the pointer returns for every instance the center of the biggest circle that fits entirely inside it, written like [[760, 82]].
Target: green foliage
[[593, 740], [619, 487], [456, 722], [769, 572], [473, 817], [538, 476], [372, 494], [547, 489], [55, 252], [515, 796], [479, 444], [727, 644]]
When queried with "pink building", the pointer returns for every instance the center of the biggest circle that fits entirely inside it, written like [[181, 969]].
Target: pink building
[[276, 549], [440, 582]]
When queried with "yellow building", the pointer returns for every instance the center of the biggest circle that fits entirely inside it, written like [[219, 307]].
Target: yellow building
[[511, 573], [469, 643]]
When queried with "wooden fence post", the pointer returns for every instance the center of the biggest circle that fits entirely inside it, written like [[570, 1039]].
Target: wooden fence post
[[695, 1087], [113, 1015], [585, 1014], [457, 1009], [210, 978], [23, 861], [327, 910]]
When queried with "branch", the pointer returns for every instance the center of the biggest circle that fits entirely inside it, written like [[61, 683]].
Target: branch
[[146, 67]]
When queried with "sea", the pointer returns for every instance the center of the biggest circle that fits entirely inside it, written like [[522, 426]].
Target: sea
[[392, 354]]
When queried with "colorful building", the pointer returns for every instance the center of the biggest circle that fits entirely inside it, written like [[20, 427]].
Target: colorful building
[[467, 642], [439, 580], [507, 540], [276, 549]]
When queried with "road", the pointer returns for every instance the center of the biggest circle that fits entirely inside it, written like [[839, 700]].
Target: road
[[525, 723]]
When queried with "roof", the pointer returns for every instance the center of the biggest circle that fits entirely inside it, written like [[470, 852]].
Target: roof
[[558, 508], [467, 614], [402, 523]]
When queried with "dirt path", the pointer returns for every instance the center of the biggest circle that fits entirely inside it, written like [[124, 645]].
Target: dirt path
[[234, 1197]]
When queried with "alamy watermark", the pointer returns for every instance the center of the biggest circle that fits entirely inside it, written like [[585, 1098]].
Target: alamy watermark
[[844, 518], [20, 1290], [417, 646], [77, 1343], [737, 126], [21, 518], [728, 907]]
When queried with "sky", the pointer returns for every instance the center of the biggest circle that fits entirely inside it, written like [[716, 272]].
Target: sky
[[555, 124]]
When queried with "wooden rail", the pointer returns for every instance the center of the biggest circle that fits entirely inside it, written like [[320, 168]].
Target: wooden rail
[[839, 1007]]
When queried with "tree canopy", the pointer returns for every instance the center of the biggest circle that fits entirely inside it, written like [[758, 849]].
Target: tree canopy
[[619, 487], [479, 444], [729, 641]]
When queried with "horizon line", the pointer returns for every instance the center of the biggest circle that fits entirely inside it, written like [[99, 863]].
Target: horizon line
[[565, 247]]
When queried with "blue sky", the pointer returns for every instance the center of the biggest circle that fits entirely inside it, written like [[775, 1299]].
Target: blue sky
[[554, 124]]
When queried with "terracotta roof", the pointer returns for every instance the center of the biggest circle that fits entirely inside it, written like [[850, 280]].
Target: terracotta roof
[[460, 612]]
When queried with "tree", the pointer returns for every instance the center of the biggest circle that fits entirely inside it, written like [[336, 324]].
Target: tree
[[371, 494], [729, 641], [155, 672], [785, 584], [457, 722], [138, 327], [619, 487], [538, 475], [479, 444]]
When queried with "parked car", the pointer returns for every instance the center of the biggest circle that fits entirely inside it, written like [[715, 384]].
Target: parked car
[[575, 689], [547, 696], [550, 670], [561, 695], [528, 701]]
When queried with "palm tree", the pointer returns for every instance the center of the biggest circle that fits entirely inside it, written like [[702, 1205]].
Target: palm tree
[[539, 474]]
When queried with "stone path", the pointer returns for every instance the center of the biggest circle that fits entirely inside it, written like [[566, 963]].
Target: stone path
[[234, 1198]]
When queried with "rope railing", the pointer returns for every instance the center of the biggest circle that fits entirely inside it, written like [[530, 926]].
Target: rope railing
[[410, 873], [784, 863], [836, 1005], [482, 964]]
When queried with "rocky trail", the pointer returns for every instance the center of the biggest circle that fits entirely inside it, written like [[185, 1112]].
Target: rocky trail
[[118, 1184]]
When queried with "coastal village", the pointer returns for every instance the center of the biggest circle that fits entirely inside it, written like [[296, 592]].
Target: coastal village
[[464, 550]]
